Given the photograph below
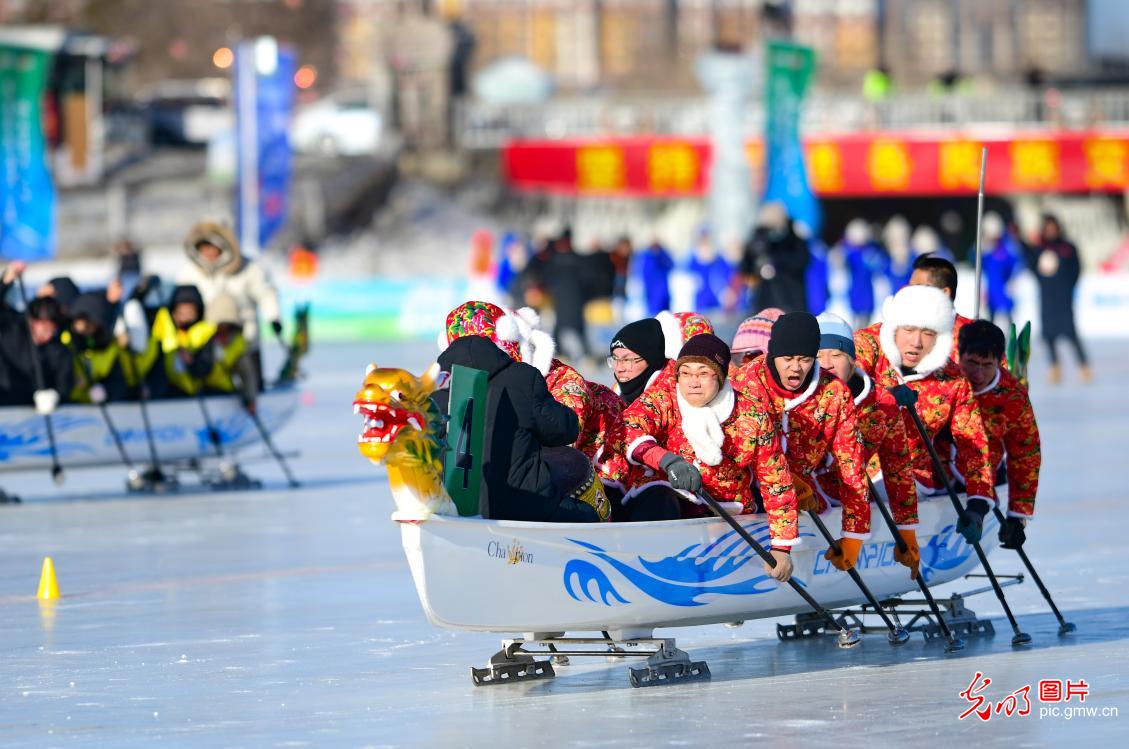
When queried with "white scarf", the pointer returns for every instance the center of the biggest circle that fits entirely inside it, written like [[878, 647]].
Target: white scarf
[[702, 424]]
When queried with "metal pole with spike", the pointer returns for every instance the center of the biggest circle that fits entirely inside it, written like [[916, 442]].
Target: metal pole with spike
[[979, 222]]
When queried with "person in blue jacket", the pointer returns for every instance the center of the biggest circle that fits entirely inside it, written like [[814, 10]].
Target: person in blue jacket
[[655, 265], [1001, 260], [512, 261], [864, 260], [817, 276], [899, 267], [711, 271]]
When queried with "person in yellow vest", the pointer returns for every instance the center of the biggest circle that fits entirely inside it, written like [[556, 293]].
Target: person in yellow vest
[[182, 333], [168, 362], [234, 364], [98, 367]]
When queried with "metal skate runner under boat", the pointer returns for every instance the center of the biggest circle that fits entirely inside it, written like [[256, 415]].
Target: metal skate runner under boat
[[617, 581]]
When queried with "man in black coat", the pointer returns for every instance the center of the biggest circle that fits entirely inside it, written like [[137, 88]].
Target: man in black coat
[[775, 263], [521, 419], [568, 279], [1057, 268], [18, 384]]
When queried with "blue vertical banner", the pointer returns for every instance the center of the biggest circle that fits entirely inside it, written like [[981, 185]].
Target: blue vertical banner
[[27, 195], [790, 68], [264, 104]]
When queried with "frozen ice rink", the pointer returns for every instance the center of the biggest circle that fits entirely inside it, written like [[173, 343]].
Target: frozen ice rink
[[288, 618]]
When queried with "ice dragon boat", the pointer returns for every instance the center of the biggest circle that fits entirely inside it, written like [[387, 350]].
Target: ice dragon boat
[[620, 581]]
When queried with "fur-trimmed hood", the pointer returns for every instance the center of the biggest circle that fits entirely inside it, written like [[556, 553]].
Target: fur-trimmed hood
[[230, 260], [919, 307]]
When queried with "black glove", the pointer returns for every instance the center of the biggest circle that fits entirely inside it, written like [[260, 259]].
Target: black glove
[[1012, 534], [971, 522], [276, 326], [681, 474], [144, 286], [904, 395]]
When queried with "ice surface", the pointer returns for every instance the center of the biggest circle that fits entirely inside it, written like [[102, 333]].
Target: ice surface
[[288, 618]]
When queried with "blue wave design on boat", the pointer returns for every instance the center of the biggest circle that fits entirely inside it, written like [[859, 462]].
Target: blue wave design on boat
[[689, 567], [231, 429], [681, 579], [586, 572], [947, 550], [29, 438]]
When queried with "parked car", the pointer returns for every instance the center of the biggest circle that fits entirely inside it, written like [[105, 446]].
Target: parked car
[[187, 113], [341, 124]]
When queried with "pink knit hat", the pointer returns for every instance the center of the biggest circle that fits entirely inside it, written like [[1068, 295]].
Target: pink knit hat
[[754, 332]]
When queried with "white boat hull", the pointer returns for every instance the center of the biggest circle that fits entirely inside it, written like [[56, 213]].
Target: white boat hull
[[83, 439], [505, 576]]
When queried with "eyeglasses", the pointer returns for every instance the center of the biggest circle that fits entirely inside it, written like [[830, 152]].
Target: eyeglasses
[[697, 376], [614, 362]]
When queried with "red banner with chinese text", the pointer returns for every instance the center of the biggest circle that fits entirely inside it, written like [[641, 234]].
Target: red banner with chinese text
[[859, 165]]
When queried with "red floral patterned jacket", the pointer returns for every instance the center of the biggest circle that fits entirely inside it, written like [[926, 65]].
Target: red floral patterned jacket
[[1009, 421], [750, 442], [884, 443], [816, 423], [602, 432], [944, 399], [569, 388]]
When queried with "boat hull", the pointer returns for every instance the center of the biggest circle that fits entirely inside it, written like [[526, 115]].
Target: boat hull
[[505, 576], [83, 439]]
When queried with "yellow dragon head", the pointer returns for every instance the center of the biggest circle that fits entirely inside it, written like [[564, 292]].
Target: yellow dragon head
[[401, 431], [392, 401]]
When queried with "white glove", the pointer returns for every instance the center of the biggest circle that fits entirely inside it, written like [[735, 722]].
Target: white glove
[[136, 324], [97, 394], [46, 401]]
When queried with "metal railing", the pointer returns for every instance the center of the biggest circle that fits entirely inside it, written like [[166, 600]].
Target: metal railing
[[484, 126]]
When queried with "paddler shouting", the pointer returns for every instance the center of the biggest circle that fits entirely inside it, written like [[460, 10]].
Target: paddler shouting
[[814, 412]]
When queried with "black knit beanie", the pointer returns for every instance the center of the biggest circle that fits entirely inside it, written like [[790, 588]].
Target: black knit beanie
[[645, 338], [794, 334]]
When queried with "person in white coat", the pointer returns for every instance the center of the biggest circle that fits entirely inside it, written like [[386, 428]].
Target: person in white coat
[[216, 267]]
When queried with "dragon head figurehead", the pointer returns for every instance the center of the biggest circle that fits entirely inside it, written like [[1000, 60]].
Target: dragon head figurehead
[[401, 430], [392, 401]]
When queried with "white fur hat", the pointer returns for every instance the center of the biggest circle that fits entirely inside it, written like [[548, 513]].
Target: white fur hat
[[672, 333], [919, 307], [523, 327], [679, 327]]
